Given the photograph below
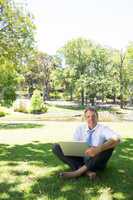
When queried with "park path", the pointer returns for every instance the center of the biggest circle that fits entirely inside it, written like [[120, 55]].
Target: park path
[[128, 116]]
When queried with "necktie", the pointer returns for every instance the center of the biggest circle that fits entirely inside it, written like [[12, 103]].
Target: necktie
[[89, 142], [89, 138]]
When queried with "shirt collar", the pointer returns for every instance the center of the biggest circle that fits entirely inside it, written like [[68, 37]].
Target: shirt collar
[[92, 130]]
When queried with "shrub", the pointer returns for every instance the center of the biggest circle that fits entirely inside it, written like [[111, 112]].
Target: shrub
[[9, 95], [37, 103], [20, 105], [2, 111]]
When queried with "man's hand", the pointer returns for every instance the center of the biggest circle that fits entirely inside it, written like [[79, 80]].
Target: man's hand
[[92, 151]]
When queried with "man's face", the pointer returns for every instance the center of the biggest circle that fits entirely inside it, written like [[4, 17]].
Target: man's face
[[91, 119]]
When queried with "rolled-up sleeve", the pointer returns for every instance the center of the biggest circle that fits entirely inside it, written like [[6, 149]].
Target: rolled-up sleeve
[[110, 134]]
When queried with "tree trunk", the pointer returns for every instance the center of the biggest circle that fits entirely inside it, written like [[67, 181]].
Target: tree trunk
[[121, 101], [121, 86], [82, 97], [71, 94], [86, 100], [114, 99], [92, 101], [122, 57], [102, 99], [46, 90], [30, 91]]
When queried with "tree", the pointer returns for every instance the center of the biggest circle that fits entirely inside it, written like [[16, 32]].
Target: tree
[[120, 62], [69, 81], [38, 73], [16, 43], [77, 53], [97, 81], [57, 83], [46, 63], [121, 72], [129, 57]]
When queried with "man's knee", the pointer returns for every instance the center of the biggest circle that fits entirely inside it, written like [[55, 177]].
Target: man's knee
[[105, 155], [99, 161]]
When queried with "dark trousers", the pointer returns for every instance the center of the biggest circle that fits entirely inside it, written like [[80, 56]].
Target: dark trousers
[[95, 163]]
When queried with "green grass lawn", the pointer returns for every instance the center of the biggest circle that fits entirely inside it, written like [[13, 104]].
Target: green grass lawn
[[19, 125], [29, 170]]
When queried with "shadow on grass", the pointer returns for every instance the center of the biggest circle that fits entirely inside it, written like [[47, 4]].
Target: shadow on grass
[[118, 175], [82, 107], [7, 192], [35, 153], [69, 107], [19, 125]]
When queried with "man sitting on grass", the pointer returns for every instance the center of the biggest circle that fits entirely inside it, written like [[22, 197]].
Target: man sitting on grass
[[101, 140]]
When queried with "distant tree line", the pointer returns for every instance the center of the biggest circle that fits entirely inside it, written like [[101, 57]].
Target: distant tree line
[[81, 70]]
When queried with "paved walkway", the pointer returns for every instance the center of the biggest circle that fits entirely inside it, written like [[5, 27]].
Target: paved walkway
[[128, 116]]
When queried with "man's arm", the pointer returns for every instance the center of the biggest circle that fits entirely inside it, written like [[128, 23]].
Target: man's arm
[[111, 143]]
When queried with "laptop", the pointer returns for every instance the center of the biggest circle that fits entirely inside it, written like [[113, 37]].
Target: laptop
[[74, 148]]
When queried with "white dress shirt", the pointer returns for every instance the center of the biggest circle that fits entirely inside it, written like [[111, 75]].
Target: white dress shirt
[[100, 134]]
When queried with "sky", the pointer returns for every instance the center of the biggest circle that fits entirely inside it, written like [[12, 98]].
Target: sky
[[108, 22]]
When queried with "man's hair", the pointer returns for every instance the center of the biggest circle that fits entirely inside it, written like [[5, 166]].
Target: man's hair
[[92, 109]]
